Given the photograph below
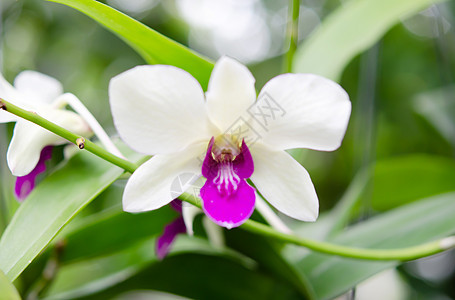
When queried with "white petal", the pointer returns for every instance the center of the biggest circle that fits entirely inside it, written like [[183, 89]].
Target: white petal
[[189, 212], [230, 92], [26, 145], [8, 93], [284, 183], [303, 111], [158, 109], [29, 139], [37, 87], [214, 232], [162, 179], [6, 89], [6, 117]]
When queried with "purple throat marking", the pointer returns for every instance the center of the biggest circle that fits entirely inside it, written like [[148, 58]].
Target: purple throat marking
[[25, 184], [227, 199]]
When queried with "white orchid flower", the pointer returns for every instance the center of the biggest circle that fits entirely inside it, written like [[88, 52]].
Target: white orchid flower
[[31, 145], [162, 111]]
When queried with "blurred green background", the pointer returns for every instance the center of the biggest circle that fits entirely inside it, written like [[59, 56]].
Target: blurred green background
[[402, 126]]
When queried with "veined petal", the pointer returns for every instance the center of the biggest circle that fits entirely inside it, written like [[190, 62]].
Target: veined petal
[[29, 139], [303, 111], [284, 183], [159, 109], [230, 92], [158, 181], [37, 87], [228, 210]]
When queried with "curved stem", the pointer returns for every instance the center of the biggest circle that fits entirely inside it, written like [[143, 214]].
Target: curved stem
[[402, 254], [66, 134], [292, 33]]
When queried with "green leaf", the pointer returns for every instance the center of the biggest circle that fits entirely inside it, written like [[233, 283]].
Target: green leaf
[[348, 31], [200, 276], [408, 225], [86, 277], [387, 184], [93, 275], [268, 256], [112, 231], [401, 180], [151, 45], [438, 108], [55, 201], [7, 289]]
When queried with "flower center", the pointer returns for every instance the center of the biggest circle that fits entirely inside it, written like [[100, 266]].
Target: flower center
[[225, 147], [224, 151], [226, 180], [224, 162], [226, 196]]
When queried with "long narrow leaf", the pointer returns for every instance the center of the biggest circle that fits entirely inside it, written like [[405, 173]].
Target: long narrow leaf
[[7, 289], [154, 47]]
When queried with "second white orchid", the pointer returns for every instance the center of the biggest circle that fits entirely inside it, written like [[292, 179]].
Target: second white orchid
[[31, 145]]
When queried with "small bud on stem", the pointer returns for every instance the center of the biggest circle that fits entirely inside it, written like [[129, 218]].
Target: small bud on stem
[[2, 105], [80, 142]]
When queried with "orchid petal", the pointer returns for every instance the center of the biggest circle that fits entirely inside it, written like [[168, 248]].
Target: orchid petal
[[7, 92], [6, 117], [189, 212], [284, 183], [25, 184], [6, 89], [214, 233], [29, 139], [228, 210], [243, 163], [230, 92], [37, 87], [159, 180], [158, 109], [302, 111], [164, 242]]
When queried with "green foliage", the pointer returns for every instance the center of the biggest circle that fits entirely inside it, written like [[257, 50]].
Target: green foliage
[[348, 31], [421, 221], [51, 206], [405, 179], [7, 289], [151, 45]]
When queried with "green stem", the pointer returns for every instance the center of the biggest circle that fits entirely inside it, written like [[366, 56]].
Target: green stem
[[402, 254], [292, 33], [66, 134]]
